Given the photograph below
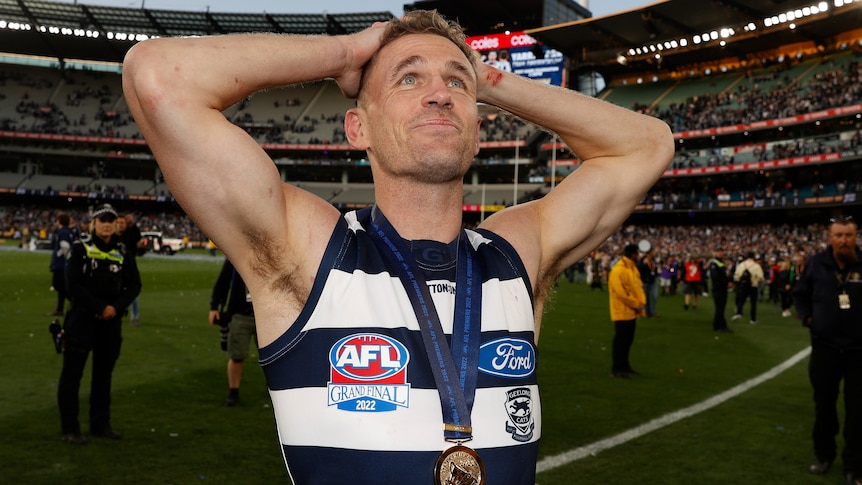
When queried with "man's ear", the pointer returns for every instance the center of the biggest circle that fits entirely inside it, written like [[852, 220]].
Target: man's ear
[[353, 128]]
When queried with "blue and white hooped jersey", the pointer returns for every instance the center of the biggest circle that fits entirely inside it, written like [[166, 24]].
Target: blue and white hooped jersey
[[352, 387]]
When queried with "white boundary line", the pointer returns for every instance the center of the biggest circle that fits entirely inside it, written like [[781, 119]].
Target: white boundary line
[[551, 462]]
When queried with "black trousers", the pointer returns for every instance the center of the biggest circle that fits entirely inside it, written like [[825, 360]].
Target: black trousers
[[58, 281], [83, 335], [826, 368], [719, 297], [624, 337], [747, 293]]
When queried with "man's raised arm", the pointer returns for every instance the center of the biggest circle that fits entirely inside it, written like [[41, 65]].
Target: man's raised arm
[[177, 88], [622, 155]]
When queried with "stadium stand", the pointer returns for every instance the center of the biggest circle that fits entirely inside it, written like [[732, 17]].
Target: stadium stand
[[778, 129]]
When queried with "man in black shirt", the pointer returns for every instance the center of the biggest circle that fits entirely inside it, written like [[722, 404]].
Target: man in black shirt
[[828, 298], [231, 295], [719, 279]]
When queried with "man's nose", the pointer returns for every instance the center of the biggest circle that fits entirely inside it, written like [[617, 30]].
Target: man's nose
[[438, 93]]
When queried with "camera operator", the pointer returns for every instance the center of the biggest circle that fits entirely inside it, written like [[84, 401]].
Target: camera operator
[[237, 318], [102, 282]]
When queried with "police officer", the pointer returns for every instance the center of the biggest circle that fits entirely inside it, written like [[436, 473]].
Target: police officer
[[719, 280], [102, 282]]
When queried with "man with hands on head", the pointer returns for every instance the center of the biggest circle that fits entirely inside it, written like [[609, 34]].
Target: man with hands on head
[[342, 302]]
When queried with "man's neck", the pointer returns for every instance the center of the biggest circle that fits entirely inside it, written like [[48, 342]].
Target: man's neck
[[432, 213]]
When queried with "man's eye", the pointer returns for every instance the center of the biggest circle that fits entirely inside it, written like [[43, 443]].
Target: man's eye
[[408, 79], [456, 83]]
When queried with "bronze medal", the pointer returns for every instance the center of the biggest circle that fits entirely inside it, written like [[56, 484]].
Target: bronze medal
[[459, 465]]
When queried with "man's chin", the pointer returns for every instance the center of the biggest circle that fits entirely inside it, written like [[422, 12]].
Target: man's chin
[[847, 256]]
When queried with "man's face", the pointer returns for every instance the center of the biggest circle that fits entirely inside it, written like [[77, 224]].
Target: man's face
[[417, 116], [842, 238], [121, 225]]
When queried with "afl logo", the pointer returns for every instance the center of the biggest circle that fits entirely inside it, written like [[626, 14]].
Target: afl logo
[[369, 374], [368, 358], [507, 357]]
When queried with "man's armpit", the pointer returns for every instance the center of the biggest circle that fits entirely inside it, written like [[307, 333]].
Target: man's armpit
[[271, 262]]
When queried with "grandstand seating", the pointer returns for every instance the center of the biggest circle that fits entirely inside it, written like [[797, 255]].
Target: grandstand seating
[[47, 100]]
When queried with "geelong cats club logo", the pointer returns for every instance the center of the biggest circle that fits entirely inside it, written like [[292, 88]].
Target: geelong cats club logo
[[519, 407], [368, 374]]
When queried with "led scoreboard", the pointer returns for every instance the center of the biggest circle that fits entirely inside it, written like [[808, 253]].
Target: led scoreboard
[[519, 53]]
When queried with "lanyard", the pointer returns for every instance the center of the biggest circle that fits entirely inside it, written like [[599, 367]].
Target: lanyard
[[842, 281], [461, 361]]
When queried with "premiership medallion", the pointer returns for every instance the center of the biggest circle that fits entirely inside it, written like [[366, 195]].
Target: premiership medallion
[[459, 465]]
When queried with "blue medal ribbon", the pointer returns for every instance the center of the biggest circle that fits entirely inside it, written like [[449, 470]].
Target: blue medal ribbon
[[461, 362]]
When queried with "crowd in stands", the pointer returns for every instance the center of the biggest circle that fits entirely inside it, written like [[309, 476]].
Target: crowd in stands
[[40, 222], [761, 96], [37, 115], [106, 117], [748, 103]]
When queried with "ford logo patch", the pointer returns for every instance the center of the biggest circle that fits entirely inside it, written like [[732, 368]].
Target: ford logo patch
[[507, 357]]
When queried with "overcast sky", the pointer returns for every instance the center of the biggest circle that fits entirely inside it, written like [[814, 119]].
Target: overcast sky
[[598, 7]]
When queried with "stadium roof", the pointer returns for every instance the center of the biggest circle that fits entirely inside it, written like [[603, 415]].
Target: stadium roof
[[604, 44], [64, 30], [597, 43]]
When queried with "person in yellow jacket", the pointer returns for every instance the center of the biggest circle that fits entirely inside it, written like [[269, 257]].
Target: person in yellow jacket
[[627, 301]]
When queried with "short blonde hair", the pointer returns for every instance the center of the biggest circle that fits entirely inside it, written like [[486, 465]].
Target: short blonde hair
[[420, 22]]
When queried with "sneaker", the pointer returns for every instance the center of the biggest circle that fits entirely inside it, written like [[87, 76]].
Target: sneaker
[[753, 322], [108, 433], [134, 322], [74, 439], [231, 401], [819, 467], [786, 313], [736, 317]]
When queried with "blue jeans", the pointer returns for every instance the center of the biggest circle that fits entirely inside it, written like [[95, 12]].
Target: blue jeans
[[651, 292]]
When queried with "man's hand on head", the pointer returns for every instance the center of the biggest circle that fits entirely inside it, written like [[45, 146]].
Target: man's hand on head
[[359, 49]]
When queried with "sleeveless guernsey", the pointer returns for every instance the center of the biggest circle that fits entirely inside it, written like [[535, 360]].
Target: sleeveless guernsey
[[352, 388]]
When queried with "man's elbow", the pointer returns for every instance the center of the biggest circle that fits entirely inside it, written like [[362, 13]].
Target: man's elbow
[[663, 145], [141, 76]]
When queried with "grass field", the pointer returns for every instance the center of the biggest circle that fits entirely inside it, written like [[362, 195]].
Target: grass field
[[170, 382]]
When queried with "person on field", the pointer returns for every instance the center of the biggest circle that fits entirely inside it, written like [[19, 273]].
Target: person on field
[[693, 280], [627, 301], [63, 240], [102, 283], [346, 303], [720, 283], [130, 234], [232, 301], [828, 299], [748, 276]]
